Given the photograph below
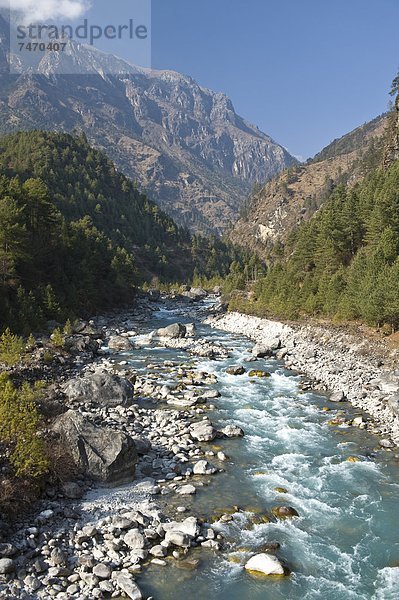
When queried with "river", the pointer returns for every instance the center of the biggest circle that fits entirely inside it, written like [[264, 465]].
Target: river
[[345, 542]]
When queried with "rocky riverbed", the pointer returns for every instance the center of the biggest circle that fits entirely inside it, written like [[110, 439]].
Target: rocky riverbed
[[120, 426], [350, 368], [137, 409]]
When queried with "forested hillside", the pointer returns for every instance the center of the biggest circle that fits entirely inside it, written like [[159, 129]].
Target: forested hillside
[[77, 236], [344, 262]]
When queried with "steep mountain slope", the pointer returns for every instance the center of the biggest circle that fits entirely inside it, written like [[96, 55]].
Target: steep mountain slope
[[77, 236], [293, 196], [183, 143], [343, 263]]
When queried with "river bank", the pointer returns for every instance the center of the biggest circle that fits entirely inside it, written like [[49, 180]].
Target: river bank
[[347, 366]]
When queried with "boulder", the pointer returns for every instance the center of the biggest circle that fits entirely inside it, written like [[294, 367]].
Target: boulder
[[126, 583], [203, 467], [81, 343], [202, 431], [7, 565], [196, 294], [337, 397], [118, 343], [385, 443], [265, 564], [7, 550], [102, 571], [189, 526], [284, 512], [177, 538], [231, 431], [186, 490], [134, 539], [174, 331], [102, 453], [259, 373], [100, 387], [265, 350], [191, 330], [236, 370]]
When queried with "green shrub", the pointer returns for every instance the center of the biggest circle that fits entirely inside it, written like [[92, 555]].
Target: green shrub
[[11, 348], [58, 338], [19, 428]]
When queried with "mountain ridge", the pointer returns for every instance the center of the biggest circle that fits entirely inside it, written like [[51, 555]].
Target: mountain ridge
[[183, 143]]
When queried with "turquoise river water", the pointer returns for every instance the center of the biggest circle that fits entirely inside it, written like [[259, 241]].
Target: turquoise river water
[[345, 543]]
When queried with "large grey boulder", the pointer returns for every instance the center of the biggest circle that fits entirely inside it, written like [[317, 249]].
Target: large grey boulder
[[126, 583], [202, 431], [7, 565], [231, 431], [100, 387], [104, 454], [81, 343], [175, 330], [119, 342], [265, 350], [196, 294]]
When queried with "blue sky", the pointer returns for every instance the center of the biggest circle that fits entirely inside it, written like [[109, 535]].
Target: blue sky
[[304, 71]]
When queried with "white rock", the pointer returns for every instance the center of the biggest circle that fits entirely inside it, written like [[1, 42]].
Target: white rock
[[266, 564]]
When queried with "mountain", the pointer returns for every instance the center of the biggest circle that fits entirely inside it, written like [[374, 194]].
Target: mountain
[[184, 144], [294, 195], [76, 236], [343, 262]]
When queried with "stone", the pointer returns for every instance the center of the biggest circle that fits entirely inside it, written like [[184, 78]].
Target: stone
[[258, 373], [7, 565], [127, 584], [58, 557], [7, 550], [32, 583], [102, 571], [119, 343], [81, 343], [143, 445], [72, 490], [237, 370], [134, 539], [337, 397], [189, 526], [263, 351], [231, 431], [106, 586], [191, 330], [266, 564], [104, 454], [203, 467], [158, 551], [100, 387], [173, 331], [186, 490], [202, 431], [122, 522], [386, 444], [178, 538], [284, 512], [195, 294]]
